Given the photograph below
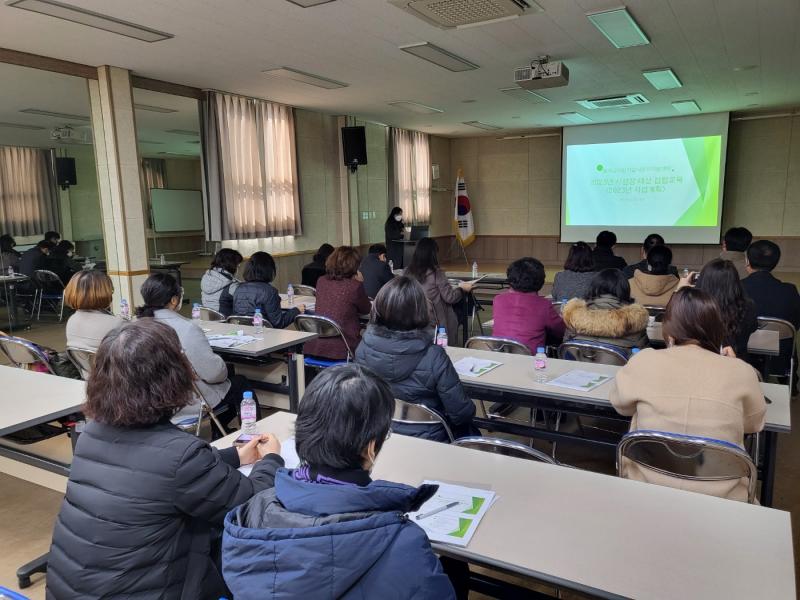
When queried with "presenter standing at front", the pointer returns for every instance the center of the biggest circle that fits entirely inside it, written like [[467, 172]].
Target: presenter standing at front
[[395, 230]]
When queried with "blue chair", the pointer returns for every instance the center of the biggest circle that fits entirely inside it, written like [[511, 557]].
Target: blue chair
[[324, 328], [7, 594], [51, 290]]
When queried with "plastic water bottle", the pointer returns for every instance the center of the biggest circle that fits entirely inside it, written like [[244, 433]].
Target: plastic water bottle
[[195, 312], [441, 337], [124, 310], [258, 321], [290, 295], [474, 269], [163, 260], [247, 413], [540, 365]]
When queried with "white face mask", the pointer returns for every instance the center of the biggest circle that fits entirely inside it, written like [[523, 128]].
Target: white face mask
[[398, 218]]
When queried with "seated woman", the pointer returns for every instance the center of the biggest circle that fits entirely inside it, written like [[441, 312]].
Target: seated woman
[[656, 285], [89, 294], [60, 261], [608, 315], [220, 279], [398, 346], [424, 268], [523, 315], [8, 256], [316, 268], [257, 292], [163, 298], [329, 516], [574, 280], [690, 388], [341, 297], [148, 498]]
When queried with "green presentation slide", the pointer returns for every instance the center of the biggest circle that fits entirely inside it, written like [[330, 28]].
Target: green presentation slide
[[667, 182]]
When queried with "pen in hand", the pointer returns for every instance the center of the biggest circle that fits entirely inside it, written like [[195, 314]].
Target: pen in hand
[[435, 511]]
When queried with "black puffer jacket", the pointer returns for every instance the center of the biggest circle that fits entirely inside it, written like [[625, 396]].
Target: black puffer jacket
[[421, 372], [251, 295], [142, 513]]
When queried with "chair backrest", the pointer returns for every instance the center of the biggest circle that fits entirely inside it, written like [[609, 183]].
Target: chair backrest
[[304, 290], [322, 326], [409, 413], [83, 359], [245, 320], [209, 314], [47, 278], [656, 311], [497, 344], [687, 457], [785, 329], [593, 352], [23, 354], [504, 447]]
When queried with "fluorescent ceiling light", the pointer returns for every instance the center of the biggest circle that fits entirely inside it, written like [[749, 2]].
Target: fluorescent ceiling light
[[91, 19], [309, 3], [149, 142], [176, 154], [686, 107], [439, 56], [662, 79], [57, 115], [619, 28], [574, 117], [525, 95], [158, 109], [308, 78], [22, 126], [481, 125], [416, 107], [183, 132]]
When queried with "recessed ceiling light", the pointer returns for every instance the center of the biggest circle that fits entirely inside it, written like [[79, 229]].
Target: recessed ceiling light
[[21, 126], [57, 115], [82, 16], [619, 28], [416, 107], [183, 132], [745, 68], [309, 3], [686, 107], [439, 56], [158, 109], [481, 125], [519, 93], [662, 79], [574, 117], [308, 78]]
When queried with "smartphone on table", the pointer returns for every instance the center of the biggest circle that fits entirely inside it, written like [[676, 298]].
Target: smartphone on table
[[244, 438]]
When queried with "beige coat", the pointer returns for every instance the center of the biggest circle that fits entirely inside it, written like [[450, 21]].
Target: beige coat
[[647, 288], [87, 328], [689, 390], [442, 296], [738, 260]]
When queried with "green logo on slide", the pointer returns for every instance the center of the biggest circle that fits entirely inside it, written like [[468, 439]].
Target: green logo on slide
[[599, 167]]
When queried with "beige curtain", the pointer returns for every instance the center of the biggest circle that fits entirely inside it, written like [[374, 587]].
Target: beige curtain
[[250, 168], [28, 191], [410, 175], [154, 176]]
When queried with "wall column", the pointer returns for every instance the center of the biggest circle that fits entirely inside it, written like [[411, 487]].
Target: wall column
[[117, 155]]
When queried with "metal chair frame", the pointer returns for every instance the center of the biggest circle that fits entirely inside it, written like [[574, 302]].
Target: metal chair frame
[[504, 447], [245, 320], [304, 290], [42, 278], [324, 327], [691, 452], [577, 348], [785, 331], [209, 314], [409, 413], [37, 355], [656, 311], [497, 344], [83, 359], [205, 411]]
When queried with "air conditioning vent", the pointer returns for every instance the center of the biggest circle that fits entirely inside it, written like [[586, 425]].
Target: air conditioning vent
[[451, 14], [614, 101], [523, 74]]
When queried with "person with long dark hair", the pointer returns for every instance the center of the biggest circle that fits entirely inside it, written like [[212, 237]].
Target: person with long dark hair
[[220, 279], [579, 269], [608, 314], [316, 268], [394, 229], [8, 256], [257, 292], [690, 388], [425, 268]]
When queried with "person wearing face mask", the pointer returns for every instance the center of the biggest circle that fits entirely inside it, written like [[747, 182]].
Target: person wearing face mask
[[60, 261], [163, 298], [395, 230]]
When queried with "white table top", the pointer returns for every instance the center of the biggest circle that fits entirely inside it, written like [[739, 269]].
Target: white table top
[[596, 532], [31, 398], [167, 264], [269, 340], [309, 301], [516, 374], [13, 278], [762, 341]]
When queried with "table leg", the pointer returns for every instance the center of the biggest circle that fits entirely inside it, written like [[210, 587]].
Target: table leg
[[13, 314], [768, 468], [295, 363]]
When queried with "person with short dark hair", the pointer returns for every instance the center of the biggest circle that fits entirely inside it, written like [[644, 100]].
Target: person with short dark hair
[[316, 268], [60, 261], [375, 269], [734, 246], [257, 292], [579, 269], [340, 297], [691, 389], [220, 280], [654, 239], [523, 315], [328, 515], [656, 284], [603, 254], [8, 256], [53, 237], [145, 501], [607, 314], [35, 259], [398, 346], [89, 294]]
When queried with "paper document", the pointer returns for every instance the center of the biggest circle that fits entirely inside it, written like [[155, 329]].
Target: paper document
[[470, 366], [288, 452], [230, 341], [457, 524], [582, 381]]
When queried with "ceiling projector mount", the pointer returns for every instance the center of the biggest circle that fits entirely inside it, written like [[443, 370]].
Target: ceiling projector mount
[[541, 74]]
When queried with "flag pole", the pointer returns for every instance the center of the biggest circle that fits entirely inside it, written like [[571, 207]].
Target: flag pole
[[459, 175]]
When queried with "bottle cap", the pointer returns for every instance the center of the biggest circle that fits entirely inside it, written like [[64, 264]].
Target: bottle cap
[[635, 350], [540, 349], [247, 396], [258, 311]]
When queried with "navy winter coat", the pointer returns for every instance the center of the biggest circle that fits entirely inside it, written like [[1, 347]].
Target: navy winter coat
[[418, 371], [311, 540], [251, 295]]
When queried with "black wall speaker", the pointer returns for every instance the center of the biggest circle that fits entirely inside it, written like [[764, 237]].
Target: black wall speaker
[[65, 172], [354, 147]]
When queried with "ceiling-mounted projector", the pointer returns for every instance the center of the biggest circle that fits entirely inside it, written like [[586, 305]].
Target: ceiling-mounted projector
[[542, 74]]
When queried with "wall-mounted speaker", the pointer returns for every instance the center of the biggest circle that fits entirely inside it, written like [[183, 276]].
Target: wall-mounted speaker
[[65, 172], [354, 147]]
